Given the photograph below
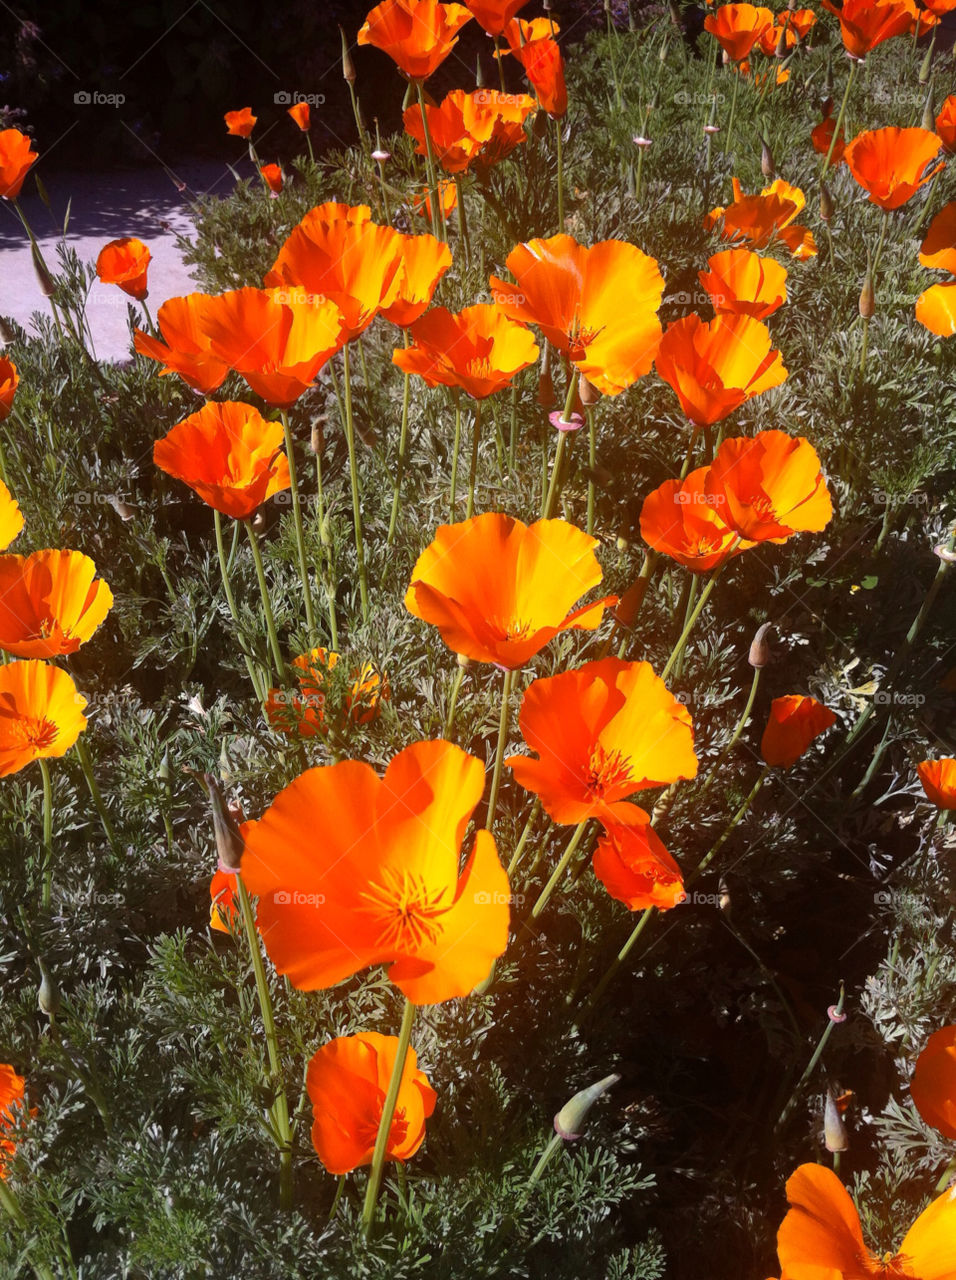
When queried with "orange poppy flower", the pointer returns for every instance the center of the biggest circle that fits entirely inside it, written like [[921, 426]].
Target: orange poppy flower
[[631, 862], [738, 27], [822, 135], [495, 15], [892, 164], [424, 261], [602, 731], [353, 870], [185, 348], [124, 263], [417, 35], [41, 714], [336, 252], [421, 203], [740, 282], [544, 67], [481, 127], [518, 32], [715, 368], [50, 603], [946, 123], [795, 721], [9, 381], [11, 1101], [936, 309], [224, 902], [240, 123], [684, 522], [866, 23], [821, 1235], [478, 349], [301, 114], [347, 1080], [11, 517], [278, 339], [938, 249], [758, 220], [16, 158], [933, 1086], [597, 305], [272, 177], [228, 454], [304, 713], [772, 486], [452, 145], [499, 590], [939, 781], [792, 25], [940, 7]]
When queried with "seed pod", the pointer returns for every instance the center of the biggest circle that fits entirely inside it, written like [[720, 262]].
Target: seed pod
[[926, 66], [760, 653], [6, 333], [827, 207], [348, 66], [867, 296], [766, 159], [929, 119], [48, 995], [317, 438], [571, 1117], [834, 1130], [464, 661], [229, 843]]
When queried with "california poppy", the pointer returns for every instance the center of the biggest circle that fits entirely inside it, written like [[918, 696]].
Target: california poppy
[[741, 282], [347, 1080], [353, 870], [50, 603], [185, 348], [124, 263], [821, 136], [478, 349], [417, 35], [499, 590], [519, 32], [598, 305], [938, 249], [936, 309], [715, 368], [892, 164], [684, 522], [11, 1101], [494, 15], [940, 7], [240, 123], [544, 67], [795, 721], [41, 714], [304, 713], [946, 124], [933, 1086], [452, 145], [424, 261], [9, 381], [602, 732], [631, 862], [790, 26], [866, 23], [738, 27], [821, 1235], [228, 454], [421, 201], [480, 128], [758, 220], [223, 901], [301, 114], [272, 177], [11, 517], [939, 781], [771, 486], [16, 158]]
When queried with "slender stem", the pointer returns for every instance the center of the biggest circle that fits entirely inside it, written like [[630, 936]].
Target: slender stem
[[513, 434], [254, 675], [47, 891], [559, 151], [463, 221], [559, 870], [839, 119], [507, 685], [501, 65], [339, 1191], [456, 449], [326, 542], [551, 500], [691, 599], [609, 973], [817, 1054], [733, 109], [734, 737], [947, 1175], [299, 530], [86, 764], [402, 455], [266, 602], [543, 1161], [592, 463], [709, 857], [473, 473], [523, 838], [453, 702], [385, 1123], [437, 221], [689, 624], [353, 477]]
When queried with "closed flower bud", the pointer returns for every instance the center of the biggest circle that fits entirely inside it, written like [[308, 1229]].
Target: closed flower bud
[[766, 159], [6, 333], [926, 66], [571, 1117], [929, 119], [464, 661], [588, 393], [834, 1130], [479, 74], [760, 654], [45, 280], [781, 48], [48, 995], [348, 66], [229, 843], [826, 203], [867, 297], [317, 438]]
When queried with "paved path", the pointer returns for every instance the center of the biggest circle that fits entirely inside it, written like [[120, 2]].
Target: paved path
[[140, 202]]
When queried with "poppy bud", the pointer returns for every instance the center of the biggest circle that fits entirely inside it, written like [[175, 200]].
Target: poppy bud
[[826, 107], [663, 54], [723, 896], [926, 66], [929, 118], [675, 12], [47, 287], [539, 124], [317, 438], [479, 74], [867, 296], [165, 774], [834, 1130], [48, 995], [766, 159], [572, 1115], [588, 393], [760, 654], [464, 661], [348, 66], [621, 542], [229, 843], [826, 203], [781, 49], [6, 333]]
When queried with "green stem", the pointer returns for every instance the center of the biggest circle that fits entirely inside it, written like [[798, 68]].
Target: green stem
[[559, 870], [402, 454], [709, 857], [839, 120], [523, 838], [327, 548], [688, 610], [734, 737], [947, 1176], [559, 151], [689, 624], [86, 764], [811, 1065], [456, 449], [463, 221], [437, 221], [513, 434], [611, 971], [353, 477], [231, 601], [47, 891], [473, 473], [501, 65], [266, 602], [385, 1123], [592, 463], [733, 109], [453, 702], [299, 529], [507, 685]]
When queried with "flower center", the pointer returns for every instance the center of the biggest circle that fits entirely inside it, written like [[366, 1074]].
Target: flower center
[[406, 910], [509, 628], [606, 771], [579, 339], [38, 732], [367, 1130]]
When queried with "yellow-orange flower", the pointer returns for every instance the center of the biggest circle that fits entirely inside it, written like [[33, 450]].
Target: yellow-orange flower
[[544, 67], [938, 249], [478, 350], [938, 778], [684, 522], [301, 114], [50, 603], [771, 486], [41, 714], [11, 1101], [866, 23], [424, 261], [495, 15], [417, 35], [421, 202], [631, 862], [946, 122], [223, 902], [185, 348], [305, 713], [795, 721], [715, 368], [11, 517], [892, 164], [933, 1086], [741, 282], [16, 158], [756, 221], [936, 309], [125, 263], [240, 123], [9, 381], [272, 177], [738, 27], [478, 128]]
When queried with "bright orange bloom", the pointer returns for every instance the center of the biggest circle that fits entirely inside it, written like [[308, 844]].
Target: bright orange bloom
[[353, 870], [479, 128], [499, 590], [452, 145], [936, 309], [938, 249], [272, 177], [866, 23], [478, 349], [598, 305], [41, 714], [50, 603], [940, 7], [278, 339], [822, 135], [336, 252], [684, 522], [772, 486], [124, 263], [715, 368], [424, 261], [518, 32], [495, 15], [741, 282], [822, 1236], [240, 123], [11, 1101], [9, 381], [301, 114], [223, 901], [792, 25], [631, 862], [946, 123], [16, 158], [11, 517], [421, 203], [304, 713], [738, 27], [795, 721], [228, 454], [602, 731], [933, 1086], [939, 781], [347, 1081], [417, 35], [185, 348], [757, 220], [892, 164], [544, 67]]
